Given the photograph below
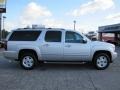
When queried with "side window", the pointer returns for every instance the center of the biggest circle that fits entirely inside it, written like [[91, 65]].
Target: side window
[[72, 37], [53, 36], [24, 35]]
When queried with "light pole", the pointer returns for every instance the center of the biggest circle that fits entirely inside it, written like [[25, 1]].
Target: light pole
[[2, 10], [74, 23], [3, 36]]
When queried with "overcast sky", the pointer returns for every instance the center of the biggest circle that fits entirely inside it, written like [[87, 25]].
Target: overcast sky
[[89, 14]]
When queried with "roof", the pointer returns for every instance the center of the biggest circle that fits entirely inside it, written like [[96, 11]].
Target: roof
[[115, 28]]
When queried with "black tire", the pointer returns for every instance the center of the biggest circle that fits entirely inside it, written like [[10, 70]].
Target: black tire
[[98, 63], [31, 60]]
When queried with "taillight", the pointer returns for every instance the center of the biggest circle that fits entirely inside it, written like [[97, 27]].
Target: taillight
[[5, 45]]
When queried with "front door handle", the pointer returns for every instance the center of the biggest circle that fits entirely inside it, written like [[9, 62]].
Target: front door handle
[[46, 45], [68, 46]]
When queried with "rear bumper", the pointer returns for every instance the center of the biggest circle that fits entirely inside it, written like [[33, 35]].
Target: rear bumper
[[10, 54]]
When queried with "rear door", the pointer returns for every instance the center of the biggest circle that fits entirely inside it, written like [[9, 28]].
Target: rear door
[[52, 47]]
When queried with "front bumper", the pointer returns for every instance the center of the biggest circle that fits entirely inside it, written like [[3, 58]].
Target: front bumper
[[114, 56]]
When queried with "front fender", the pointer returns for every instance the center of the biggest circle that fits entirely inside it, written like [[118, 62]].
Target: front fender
[[99, 48]]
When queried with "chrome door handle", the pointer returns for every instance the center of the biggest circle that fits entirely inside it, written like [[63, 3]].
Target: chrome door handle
[[46, 45], [68, 46]]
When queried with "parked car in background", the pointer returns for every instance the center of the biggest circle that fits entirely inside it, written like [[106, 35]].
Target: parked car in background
[[33, 45], [92, 35]]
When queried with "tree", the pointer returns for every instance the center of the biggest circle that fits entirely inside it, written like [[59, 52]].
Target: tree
[[4, 33]]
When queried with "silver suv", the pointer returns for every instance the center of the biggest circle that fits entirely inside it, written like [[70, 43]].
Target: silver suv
[[56, 45]]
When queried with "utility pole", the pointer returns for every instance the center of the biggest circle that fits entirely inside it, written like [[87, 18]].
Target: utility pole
[[3, 33], [74, 24], [2, 10]]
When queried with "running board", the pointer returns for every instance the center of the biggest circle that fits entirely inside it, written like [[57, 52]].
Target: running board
[[66, 62]]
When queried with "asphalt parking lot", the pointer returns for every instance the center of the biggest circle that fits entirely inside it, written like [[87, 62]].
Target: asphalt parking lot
[[59, 76]]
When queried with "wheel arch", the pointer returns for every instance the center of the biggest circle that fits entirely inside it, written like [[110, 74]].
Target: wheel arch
[[27, 51], [103, 51]]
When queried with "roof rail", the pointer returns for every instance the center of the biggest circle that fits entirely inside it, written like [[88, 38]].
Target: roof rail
[[56, 28]]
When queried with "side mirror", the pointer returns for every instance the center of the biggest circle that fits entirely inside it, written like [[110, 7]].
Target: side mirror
[[84, 40]]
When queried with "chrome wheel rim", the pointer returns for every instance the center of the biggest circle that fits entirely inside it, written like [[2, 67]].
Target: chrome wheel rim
[[102, 61], [28, 61]]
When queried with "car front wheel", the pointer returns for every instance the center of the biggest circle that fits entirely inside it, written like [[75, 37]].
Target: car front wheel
[[101, 61]]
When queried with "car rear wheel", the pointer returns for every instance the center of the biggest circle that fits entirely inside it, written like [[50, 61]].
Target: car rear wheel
[[101, 61], [28, 61]]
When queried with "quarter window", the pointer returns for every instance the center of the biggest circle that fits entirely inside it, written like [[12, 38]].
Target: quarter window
[[53, 36], [72, 37], [24, 35]]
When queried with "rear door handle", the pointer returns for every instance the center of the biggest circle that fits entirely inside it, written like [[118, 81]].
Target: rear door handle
[[68, 46], [46, 45]]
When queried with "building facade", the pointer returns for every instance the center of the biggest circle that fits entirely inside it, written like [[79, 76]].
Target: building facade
[[111, 29]]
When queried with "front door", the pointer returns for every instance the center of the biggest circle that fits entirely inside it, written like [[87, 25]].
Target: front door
[[74, 47]]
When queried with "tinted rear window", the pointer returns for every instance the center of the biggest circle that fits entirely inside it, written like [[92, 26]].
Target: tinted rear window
[[53, 36], [24, 35]]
